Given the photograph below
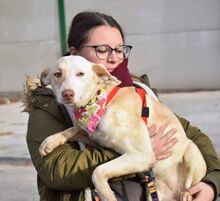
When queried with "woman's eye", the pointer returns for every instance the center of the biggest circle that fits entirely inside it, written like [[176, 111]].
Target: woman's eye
[[101, 50], [58, 74], [119, 51], [80, 74]]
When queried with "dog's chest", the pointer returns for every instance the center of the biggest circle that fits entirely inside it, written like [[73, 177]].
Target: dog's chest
[[89, 116]]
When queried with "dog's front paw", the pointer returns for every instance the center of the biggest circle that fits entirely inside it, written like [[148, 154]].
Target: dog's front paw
[[50, 143], [185, 196]]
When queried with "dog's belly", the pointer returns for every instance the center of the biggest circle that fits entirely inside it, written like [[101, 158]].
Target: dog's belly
[[126, 141]]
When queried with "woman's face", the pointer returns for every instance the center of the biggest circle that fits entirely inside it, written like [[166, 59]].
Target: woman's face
[[102, 35]]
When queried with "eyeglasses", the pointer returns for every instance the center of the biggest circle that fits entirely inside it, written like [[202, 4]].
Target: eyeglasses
[[104, 51]]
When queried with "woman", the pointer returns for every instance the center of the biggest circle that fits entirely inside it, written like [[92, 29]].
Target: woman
[[64, 173]]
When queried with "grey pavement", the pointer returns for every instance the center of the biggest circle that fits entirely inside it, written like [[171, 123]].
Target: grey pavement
[[18, 176], [202, 109]]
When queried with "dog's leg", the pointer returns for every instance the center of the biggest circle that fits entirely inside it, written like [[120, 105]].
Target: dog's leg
[[194, 169], [125, 164], [196, 172], [53, 141]]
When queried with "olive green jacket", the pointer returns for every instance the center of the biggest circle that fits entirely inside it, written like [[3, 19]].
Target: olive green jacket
[[66, 171]]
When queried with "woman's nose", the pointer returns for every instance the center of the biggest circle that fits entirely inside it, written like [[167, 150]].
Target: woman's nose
[[112, 56]]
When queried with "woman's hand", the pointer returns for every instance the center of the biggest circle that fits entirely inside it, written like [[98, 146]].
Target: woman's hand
[[202, 191], [162, 141]]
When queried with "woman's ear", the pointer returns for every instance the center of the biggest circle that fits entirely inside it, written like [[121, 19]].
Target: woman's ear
[[73, 51]]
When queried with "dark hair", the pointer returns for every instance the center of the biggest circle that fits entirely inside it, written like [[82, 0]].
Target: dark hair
[[83, 22]]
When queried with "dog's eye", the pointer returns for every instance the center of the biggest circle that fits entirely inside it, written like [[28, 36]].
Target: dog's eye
[[80, 74], [58, 74]]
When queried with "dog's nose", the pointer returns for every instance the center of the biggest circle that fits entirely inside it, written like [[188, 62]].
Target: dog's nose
[[68, 95]]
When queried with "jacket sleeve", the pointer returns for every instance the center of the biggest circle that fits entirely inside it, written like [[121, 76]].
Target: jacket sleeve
[[66, 168], [69, 169], [208, 151]]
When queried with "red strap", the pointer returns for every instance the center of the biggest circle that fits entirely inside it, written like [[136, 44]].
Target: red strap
[[142, 94], [111, 95], [140, 91]]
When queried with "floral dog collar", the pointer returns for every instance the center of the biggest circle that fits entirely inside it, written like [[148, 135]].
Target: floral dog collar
[[89, 116]]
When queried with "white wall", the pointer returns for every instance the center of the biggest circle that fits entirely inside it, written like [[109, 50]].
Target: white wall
[[29, 40], [177, 42]]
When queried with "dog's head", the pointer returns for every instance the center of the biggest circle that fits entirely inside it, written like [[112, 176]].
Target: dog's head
[[75, 80]]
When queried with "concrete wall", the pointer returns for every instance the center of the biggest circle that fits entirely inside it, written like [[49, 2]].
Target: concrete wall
[[29, 40], [176, 42]]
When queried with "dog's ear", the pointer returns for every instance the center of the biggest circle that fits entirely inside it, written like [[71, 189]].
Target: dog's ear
[[103, 74], [44, 77]]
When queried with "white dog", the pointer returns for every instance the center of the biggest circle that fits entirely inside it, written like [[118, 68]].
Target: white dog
[[79, 84]]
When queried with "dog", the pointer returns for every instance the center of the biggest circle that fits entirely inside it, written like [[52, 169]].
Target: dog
[[75, 82]]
